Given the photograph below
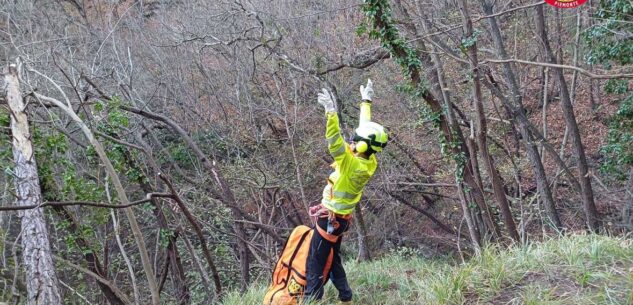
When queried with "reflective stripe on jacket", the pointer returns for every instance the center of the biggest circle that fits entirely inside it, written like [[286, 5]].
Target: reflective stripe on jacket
[[351, 173]]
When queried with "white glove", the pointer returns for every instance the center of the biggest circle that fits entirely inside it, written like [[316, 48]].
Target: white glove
[[366, 92], [326, 100]]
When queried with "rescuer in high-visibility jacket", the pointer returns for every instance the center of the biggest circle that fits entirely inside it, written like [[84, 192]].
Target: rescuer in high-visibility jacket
[[354, 164]]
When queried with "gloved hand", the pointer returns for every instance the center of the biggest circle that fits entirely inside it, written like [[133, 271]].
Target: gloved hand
[[326, 100], [367, 92]]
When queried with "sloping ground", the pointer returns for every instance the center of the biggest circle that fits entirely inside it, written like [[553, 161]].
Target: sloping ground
[[577, 269]]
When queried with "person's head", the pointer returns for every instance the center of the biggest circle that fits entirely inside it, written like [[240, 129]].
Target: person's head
[[369, 138]]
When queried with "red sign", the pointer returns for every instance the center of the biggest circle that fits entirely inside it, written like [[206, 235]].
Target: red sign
[[566, 3]]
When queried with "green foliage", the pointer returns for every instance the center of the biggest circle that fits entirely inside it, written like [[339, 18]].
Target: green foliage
[[470, 41], [164, 236], [411, 90], [114, 124], [177, 150], [573, 269], [318, 62], [618, 151], [76, 187], [361, 29], [5, 120], [451, 150], [616, 86], [5, 140], [60, 181], [378, 14], [610, 43]]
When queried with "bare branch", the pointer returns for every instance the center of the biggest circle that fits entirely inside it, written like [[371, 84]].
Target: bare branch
[[113, 139], [86, 203], [358, 61], [196, 227], [457, 26], [543, 64]]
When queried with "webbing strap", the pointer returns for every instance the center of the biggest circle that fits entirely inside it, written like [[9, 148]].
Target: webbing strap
[[329, 237]]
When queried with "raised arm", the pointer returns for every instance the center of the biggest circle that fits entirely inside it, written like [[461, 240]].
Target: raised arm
[[366, 93], [336, 144]]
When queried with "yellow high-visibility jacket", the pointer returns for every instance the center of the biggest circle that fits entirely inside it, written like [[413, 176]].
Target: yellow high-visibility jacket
[[345, 185]]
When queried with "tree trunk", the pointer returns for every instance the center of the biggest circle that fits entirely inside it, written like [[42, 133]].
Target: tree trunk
[[41, 278], [472, 175], [591, 213], [592, 98], [486, 215], [519, 112], [450, 132], [361, 230], [447, 125], [481, 128], [472, 230]]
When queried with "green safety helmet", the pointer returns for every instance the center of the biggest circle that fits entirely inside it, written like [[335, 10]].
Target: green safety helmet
[[373, 135]]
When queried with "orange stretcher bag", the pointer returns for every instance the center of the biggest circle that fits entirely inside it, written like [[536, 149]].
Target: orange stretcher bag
[[289, 275]]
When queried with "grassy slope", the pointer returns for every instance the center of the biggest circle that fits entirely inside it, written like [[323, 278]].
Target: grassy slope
[[580, 269]]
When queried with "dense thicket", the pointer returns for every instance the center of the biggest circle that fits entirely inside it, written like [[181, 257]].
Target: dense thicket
[[177, 142]]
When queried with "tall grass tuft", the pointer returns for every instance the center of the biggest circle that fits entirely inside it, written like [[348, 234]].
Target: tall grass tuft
[[574, 269]]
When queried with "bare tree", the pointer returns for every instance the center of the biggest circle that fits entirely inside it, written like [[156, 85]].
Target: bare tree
[[591, 213], [519, 112], [481, 127], [381, 21], [471, 174]]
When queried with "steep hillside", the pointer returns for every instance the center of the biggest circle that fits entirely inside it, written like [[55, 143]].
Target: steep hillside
[[577, 269]]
